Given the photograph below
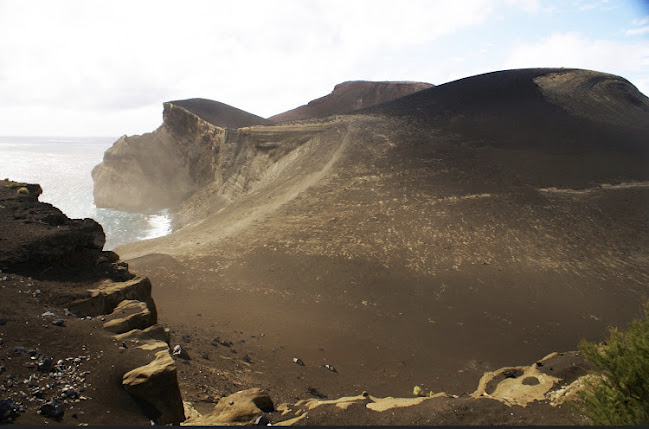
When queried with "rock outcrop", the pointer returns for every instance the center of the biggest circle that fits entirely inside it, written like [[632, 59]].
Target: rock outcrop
[[105, 298], [160, 169], [241, 408], [37, 232], [82, 289], [156, 384]]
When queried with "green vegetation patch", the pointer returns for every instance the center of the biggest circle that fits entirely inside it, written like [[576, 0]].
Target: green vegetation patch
[[619, 394]]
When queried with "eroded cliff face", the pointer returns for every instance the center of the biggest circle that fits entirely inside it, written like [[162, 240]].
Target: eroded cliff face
[[195, 167], [203, 142], [159, 169]]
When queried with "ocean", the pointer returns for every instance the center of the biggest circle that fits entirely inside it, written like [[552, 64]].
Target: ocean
[[62, 166]]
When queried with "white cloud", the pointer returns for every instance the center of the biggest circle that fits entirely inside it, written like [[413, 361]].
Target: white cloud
[[101, 58], [627, 59], [641, 27], [600, 4], [638, 30], [530, 6], [641, 21], [261, 56]]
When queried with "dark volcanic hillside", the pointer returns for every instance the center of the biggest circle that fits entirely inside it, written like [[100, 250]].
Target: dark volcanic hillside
[[478, 224], [526, 109], [349, 96], [220, 114]]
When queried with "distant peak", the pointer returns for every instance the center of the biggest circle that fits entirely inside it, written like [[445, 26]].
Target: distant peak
[[352, 95]]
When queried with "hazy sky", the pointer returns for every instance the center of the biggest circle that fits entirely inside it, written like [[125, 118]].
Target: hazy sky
[[75, 68]]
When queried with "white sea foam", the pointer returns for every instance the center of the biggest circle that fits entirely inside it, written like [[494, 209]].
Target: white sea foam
[[62, 167], [160, 225]]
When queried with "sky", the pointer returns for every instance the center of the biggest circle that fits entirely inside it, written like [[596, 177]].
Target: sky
[[104, 68]]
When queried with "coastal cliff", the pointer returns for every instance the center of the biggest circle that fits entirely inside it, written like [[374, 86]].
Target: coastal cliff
[[79, 339], [159, 169], [203, 142]]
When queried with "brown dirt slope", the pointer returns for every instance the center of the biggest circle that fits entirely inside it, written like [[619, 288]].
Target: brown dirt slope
[[349, 96], [422, 243]]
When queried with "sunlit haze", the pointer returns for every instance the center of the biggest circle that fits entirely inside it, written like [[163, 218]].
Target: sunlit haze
[[84, 68]]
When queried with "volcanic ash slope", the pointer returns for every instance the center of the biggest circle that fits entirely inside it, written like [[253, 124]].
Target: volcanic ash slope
[[465, 227]]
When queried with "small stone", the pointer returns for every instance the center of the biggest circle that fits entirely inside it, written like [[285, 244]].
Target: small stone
[[45, 365], [262, 421], [52, 409], [247, 358], [37, 393], [298, 361], [70, 393], [58, 322], [330, 367], [48, 314], [3, 321], [19, 350], [315, 392], [180, 352], [1, 341], [216, 341], [32, 352], [8, 411]]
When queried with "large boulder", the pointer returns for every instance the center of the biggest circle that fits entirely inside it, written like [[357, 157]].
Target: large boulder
[[156, 386], [129, 315], [241, 408], [105, 298]]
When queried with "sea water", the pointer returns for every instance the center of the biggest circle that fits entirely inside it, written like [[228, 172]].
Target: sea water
[[62, 167]]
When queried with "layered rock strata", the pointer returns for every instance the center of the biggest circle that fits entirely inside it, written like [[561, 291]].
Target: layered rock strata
[[75, 278]]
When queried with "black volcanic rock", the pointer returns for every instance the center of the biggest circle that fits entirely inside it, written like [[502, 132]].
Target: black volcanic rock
[[29, 234]]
